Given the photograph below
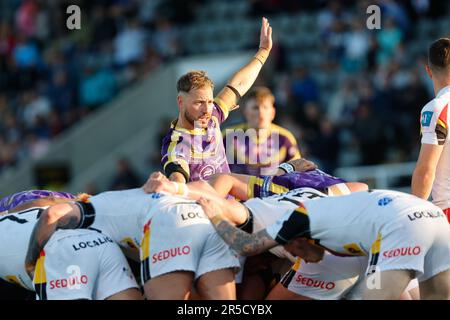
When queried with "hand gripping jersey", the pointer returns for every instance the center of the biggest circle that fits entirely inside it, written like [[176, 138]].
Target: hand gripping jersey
[[434, 129], [266, 186], [11, 201], [398, 230]]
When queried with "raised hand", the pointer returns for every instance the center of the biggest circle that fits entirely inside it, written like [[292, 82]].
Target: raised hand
[[265, 39]]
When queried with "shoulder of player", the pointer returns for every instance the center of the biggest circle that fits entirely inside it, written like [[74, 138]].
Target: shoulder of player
[[284, 133], [435, 105], [240, 126]]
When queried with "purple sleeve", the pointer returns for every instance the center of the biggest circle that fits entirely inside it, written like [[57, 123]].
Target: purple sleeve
[[218, 113], [315, 179], [9, 202]]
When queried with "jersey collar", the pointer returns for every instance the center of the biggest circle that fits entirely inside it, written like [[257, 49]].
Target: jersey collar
[[444, 90]]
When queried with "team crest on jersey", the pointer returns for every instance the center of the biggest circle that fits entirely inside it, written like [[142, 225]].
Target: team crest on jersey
[[207, 171], [156, 195], [426, 118], [384, 201]]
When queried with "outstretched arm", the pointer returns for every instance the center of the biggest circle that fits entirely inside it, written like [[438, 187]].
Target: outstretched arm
[[243, 79], [236, 213], [219, 185], [241, 242], [60, 216]]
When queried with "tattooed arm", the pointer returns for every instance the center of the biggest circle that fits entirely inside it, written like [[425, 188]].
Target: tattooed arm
[[243, 243], [60, 216]]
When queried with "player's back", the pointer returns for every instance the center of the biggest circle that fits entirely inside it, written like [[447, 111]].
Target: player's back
[[357, 218], [15, 231], [267, 210], [123, 214]]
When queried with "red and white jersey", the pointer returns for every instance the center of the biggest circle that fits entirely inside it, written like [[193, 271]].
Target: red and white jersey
[[434, 129]]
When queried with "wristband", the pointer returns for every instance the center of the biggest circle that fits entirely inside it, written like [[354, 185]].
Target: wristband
[[260, 56], [342, 187], [255, 57], [181, 189], [237, 94], [286, 167]]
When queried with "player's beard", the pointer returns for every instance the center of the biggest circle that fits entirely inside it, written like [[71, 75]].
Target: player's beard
[[195, 122]]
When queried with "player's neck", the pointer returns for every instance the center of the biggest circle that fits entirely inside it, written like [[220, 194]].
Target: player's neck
[[439, 84], [184, 123]]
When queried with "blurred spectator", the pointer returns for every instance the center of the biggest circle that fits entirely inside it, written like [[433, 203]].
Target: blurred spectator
[[125, 177], [165, 39], [356, 47], [26, 18], [25, 53], [45, 86], [98, 86], [367, 128], [34, 106], [129, 44], [37, 146], [91, 188], [304, 88], [325, 150], [61, 93], [388, 38]]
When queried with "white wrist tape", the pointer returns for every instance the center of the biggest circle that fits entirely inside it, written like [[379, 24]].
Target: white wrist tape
[[286, 167], [342, 187], [181, 189]]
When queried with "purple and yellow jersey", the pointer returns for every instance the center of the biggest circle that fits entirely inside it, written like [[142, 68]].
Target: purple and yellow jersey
[[252, 155], [268, 185], [197, 153], [11, 201]]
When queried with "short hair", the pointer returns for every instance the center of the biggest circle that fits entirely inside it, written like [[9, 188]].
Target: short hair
[[439, 55], [194, 80], [260, 94]]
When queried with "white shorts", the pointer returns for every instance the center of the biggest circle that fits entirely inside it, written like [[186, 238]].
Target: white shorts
[[419, 240], [181, 238], [330, 279], [81, 264], [357, 291]]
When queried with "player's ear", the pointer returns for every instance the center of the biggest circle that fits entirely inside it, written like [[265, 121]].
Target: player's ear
[[274, 113], [428, 70], [180, 101]]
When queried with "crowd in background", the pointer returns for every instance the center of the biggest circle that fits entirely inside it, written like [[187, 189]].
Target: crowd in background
[[51, 77]]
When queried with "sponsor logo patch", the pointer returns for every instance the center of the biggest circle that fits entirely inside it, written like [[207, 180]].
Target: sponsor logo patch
[[401, 252], [425, 214], [69, 282], [171, 253], [92, 244], [384, 201], [207, 171], [426, 118], [309, 282]]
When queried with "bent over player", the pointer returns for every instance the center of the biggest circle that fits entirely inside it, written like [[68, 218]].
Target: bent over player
[[404, 236]]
